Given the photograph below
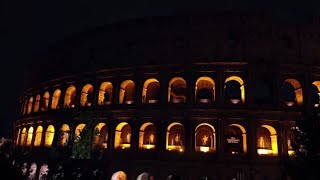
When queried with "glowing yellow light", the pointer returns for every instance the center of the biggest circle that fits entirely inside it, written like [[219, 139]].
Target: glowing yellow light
[[204, 148], [125, 146], [263, 151], [149, 146], [181, 150], [290, 152]]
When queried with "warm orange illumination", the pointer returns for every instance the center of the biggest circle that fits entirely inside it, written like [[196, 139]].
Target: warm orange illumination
[[78, 131], [45, 101], [151, 91], [298, 90], [147, 136], [205, 138], [18, 137], [37, 140], [242, 137], [261, 151], [86, 95], [69, 98], [127, 91], [177, 90], [64, 135], [29, 137], [205, 90], [36, 104], [30, 103], [105, 93], [120, 175], [122, 136], [55, 99], [175, 137], [23, 137], [267, 141], [100, 136], [240, 81], [49, 136]]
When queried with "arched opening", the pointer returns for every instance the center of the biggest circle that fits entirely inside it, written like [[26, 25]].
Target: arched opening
[[38, 137], [44, 171], [64, 135], [77, 132], [87, 95], [32, 171], [100, 136], [120, 175], [23, 137], [267, 141], [49, 136], [145, 176], [56, 99], [105, 93], [18, 137], [30, 135], [25, 107], [205, 90], [177, 90], [70, 97], [236, 139], [122, 136], [234, 91], [205, 138], [315, 93], [175, 137], [147, 136], [290, 138], [173, 177], [36, 104], [151, 91], [30, 103], [291, 92], [262, 92], [127, 90], [45, 101]]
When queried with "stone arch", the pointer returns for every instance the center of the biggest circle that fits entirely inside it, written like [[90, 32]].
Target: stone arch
[[236, 139], [267, 143], [122, 136], [177, 90], [234, 97], [297, 91], [32, 171], [147, 136], [175, 137], [205, 90], [38, 136], [18, 136], [29, 136], [30, 103], [23, 136], [69, 97], [56, 99], [36, 104], [151, 91], [49, 136], [119, 175], [144, 176], [86, 98], [315, 94], [105, 93], [78, 130], [43, 172], [205, 138], [45, 101], [127, 91], [64, 135], [100, 136]]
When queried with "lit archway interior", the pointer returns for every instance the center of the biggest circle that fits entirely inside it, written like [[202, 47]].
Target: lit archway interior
[[38, 137], [45, 101], [105, 93], [291, 92], [18, 136], [32, 171], [145, 176], [69, 98], [23, 137], [100, 136], [290, 138], [235, 139], [30, 135], [205, 138], [177, 90], [49, 136], [205, 90], [36, 104], [78, 130], [64, 135], [315, 93], [234, 90], [267, 140], [56, 99], [147, 136], [151, 91], [122, 136], [87, 95], [44, 171], [30, 103], [175, 137], [25, 107], [127, 91], [120, 175]]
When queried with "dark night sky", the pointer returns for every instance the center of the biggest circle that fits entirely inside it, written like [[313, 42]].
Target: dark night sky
[[30, 26]]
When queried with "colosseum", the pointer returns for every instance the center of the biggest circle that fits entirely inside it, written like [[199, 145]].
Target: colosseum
[[206, 96]]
